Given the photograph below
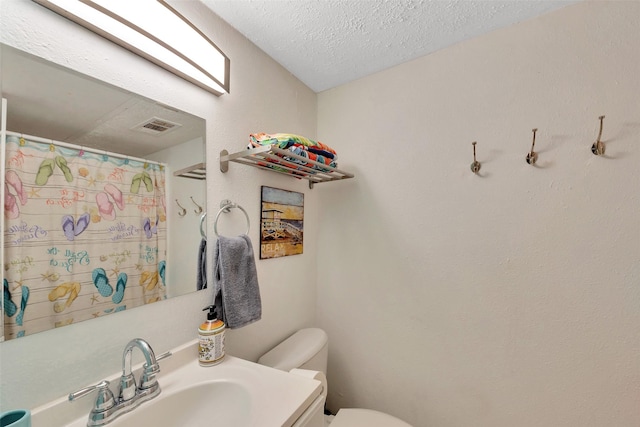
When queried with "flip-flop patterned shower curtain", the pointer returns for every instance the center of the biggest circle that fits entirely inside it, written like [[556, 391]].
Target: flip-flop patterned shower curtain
[[85, 235]]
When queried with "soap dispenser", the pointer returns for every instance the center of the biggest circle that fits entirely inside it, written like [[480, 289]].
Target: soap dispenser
[[211, 339]]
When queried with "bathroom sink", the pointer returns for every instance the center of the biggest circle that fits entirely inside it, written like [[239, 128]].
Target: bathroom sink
[[220, 403], [234, 393]]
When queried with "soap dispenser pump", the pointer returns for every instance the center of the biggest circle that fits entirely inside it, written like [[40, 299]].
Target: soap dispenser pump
[[211, 338]]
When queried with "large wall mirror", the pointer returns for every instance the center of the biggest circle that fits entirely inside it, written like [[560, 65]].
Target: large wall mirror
[[104, 197]]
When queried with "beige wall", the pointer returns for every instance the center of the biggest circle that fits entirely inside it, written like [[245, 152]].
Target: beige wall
[[506, 299], [264, 97], [509, 299]]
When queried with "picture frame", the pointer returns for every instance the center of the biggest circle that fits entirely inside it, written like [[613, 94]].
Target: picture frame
[[281, 223]]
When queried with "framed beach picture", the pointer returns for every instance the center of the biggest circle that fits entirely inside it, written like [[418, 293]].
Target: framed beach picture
[[281, 223]]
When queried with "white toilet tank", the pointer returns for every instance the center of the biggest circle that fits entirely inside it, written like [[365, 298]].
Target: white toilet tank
[[305, 349], [308, 349]]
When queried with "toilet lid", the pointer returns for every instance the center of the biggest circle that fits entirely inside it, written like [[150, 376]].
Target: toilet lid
[[365, 418]]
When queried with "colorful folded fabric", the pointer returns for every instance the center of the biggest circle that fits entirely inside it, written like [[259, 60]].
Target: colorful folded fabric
[[304, 147], [286, 140]]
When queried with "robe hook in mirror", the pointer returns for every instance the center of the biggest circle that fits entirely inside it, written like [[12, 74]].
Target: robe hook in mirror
[[598, 147], [475, 166], [532, 156], [199, 210], [183, 211]]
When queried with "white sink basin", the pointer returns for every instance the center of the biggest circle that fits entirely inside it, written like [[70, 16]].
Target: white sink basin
[[221, 403], [235, 393]]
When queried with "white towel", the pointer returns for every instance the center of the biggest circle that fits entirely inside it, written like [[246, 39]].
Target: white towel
[[236, 291]]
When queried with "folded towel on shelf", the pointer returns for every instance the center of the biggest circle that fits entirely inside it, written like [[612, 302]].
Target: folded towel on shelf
[[235, 279], [286, 140], [315, 151], [201, 280], [311, 156]]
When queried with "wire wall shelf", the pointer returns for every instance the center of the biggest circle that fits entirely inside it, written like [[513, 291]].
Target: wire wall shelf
[[274, 159], [197, 171]]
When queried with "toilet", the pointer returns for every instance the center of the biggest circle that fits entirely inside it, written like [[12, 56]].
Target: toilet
[[308, 349]]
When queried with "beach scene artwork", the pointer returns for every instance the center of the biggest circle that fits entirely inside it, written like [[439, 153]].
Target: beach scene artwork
[[281, 223]]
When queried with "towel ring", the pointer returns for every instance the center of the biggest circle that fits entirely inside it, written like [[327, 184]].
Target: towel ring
[[202, 220], [225, 206]]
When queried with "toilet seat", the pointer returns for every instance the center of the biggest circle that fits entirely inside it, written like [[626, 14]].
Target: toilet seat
[[351, 417]]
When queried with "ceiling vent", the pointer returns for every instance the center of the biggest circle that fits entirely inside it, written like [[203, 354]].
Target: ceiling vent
[[157, 126]]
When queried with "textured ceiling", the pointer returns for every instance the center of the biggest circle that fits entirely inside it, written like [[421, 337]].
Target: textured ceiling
[[326, 43]]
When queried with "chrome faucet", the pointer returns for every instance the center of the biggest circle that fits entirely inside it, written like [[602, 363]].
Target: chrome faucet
[[148, 383], [106, 407]]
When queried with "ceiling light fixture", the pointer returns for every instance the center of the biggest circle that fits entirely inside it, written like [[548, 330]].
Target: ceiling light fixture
[[155, 31]]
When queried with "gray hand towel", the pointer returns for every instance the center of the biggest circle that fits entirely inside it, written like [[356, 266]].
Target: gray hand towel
[[201, 279], [235, 279]]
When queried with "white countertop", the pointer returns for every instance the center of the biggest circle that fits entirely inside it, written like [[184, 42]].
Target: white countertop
[[277, 398]]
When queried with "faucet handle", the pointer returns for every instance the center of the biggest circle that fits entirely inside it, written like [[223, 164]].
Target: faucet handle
[[148, 377], [163, 356], [105, 399]]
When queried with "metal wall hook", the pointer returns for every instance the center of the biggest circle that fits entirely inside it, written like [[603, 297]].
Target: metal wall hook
[[183, 211], [199, 210], [475, 166], [598, 147], [532, 156]]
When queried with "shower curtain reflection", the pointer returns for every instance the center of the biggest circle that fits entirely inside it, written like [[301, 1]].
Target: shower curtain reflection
[[85, 235]]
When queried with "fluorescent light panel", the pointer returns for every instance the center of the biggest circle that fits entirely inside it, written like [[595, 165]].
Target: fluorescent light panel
[[155, 31]]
